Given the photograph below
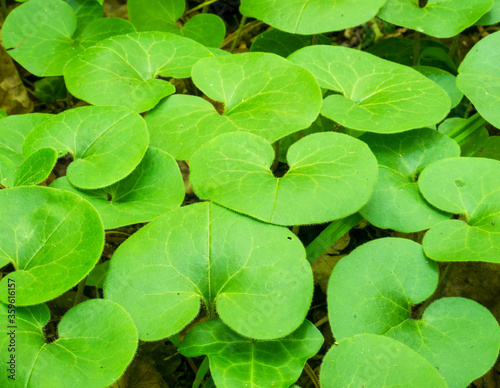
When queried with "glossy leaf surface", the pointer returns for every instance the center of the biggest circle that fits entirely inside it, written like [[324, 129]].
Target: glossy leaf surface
[[372, 94], [396, 202], [106, 143], [52, 238], [470, 187], [96, 341], [254, 275], [239, 361], [331, 176]]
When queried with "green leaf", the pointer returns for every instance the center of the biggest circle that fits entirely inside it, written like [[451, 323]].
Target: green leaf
[[254, 275], [372, 94], [152, 189], [2, 114], [479, 78], [491, 17], [283, 43], [52, 238], [106, 143], [368, 360], [50, 89], [331, 176], [125, 70], [261, 93], [98, 274], [96, 341], [307, 18], [470, 134], [205, 28], [396, 202], [459, 337], [86, 12], [42, 35], [491, 149], [441, 19], [155, 15], [238, 361], [15, 169], [444, 79], [470, 187]]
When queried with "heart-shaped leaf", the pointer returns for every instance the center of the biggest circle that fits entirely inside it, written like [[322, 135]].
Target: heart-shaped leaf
[[396, 202], [158, 15], [441, 19], [42, 35], [479, 78], [369, 360], [52, 238], [254, 275], [470, 187], [459, 337], [125, 70], [444, 79], [96, 341], [15, 168], [153, 188], [311, 17], [261, 93], [331, 176], [238, 361], [106, 143], [372, 94]]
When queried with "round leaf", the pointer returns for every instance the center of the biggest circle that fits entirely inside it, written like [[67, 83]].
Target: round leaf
[[205, 28], [471, 187], [492, 17], [368, 360], [155, 15], [311, 17], [42, 35], [52, 238], [254, 275], [441, 19], [396, 202], [96, 341], [444, 79], [373, 94], [331, 176], [125, 70], [459, 337], [106, 143], [153, 188], [479, 77], [238, 361]]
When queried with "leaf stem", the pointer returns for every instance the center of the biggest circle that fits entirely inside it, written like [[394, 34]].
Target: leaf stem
[[79, 291], [202, 371], [238, 34], [311, 375], [453, 47], [4, 9], [416, 47], [202, 5]]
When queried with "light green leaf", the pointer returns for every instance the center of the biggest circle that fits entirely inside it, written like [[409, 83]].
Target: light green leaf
[[372, 94], [479, 77], [153, 188], [155, 15], [492, 17], [50, 89], [444, 79], [13, 132], [470, 187], [106, 143], [491, 149], [42, 35], [375, 361], [86, 12], [238, 361], [396, 202], [459, 337], [260, 93], [441, 19], [205, 28], [311, 17], [96, 341], [125, 70], [52, 238], [254, 275], [331, 176]]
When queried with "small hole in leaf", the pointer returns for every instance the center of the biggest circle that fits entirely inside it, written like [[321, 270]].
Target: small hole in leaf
[[289, 238], [459, 183], [110, 198]]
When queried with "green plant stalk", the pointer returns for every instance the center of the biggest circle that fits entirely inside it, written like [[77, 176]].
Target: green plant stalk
[[238, 34], [453, 47], [203, 6], [79, 291], [461, 132], [202, 371], [4, 9], [332, 233], [416, 48]]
